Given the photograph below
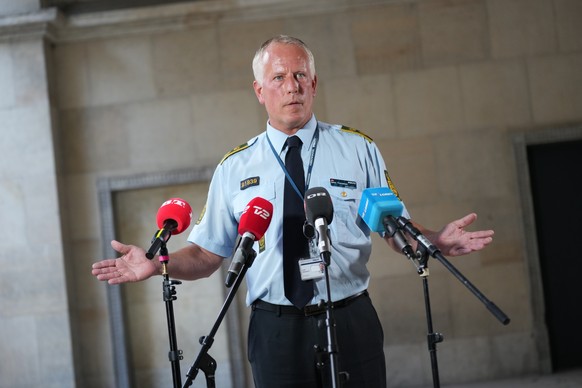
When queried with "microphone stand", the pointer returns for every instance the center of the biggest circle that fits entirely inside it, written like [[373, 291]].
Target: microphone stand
[[425, 249], [204, 361], [421, 257], [332, 347], [169, 293], [432, 337]]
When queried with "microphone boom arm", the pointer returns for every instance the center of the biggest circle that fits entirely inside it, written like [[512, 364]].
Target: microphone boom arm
[[204, 361], [433, 251]]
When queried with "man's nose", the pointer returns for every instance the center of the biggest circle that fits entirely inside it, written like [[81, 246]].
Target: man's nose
[[292, 85]]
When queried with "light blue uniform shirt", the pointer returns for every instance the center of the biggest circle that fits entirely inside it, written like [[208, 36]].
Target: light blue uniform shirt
[[345, 164]]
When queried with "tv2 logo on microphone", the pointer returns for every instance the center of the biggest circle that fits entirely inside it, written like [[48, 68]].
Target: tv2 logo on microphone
[[259, 211], [174, 201]]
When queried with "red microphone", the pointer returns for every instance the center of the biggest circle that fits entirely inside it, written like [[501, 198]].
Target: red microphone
[[256, 217], [174, 216], [253, 224]]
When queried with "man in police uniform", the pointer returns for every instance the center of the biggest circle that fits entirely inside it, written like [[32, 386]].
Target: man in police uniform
[[343, 161]]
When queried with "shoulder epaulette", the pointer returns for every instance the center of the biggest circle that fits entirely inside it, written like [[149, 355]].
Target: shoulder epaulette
[[356, 132], [236, 150]]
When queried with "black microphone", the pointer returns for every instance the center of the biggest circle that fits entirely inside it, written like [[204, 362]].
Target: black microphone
[[393, 231], [319, 213], [253, 224]]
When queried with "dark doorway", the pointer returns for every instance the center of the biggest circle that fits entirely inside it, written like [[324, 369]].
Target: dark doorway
[[556, 187]]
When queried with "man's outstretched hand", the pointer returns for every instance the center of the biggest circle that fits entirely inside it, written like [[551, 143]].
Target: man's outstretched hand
[[132, 266], [454, 240]]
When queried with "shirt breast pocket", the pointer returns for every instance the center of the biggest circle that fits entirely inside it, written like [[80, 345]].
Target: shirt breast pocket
[[244, 197], [345, 208]]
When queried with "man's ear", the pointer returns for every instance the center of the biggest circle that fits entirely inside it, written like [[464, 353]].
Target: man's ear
[[258, 92], [314, 84]]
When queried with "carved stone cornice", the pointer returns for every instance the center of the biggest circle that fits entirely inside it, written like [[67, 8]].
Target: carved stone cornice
[[57, 27], [31, 25]]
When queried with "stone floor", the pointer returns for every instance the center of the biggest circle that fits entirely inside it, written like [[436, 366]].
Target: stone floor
[[570, 379]]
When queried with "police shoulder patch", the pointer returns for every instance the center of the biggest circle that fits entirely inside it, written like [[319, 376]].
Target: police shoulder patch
[[356, 132], [202, 213], [236, 150]]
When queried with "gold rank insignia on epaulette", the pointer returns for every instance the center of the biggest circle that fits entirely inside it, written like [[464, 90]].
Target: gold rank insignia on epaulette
[[356, 132], [201, 216], [235, 150], [391, 185]]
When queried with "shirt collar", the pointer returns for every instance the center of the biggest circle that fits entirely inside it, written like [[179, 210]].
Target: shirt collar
[[279, 138]]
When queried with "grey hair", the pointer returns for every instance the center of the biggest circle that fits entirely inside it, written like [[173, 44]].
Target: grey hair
[[259, 62]]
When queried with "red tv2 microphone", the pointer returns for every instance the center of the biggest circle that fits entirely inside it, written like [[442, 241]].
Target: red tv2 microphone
[[174, 216], [253, 224]]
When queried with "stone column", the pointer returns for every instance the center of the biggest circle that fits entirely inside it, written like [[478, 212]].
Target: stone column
[[36, 338]]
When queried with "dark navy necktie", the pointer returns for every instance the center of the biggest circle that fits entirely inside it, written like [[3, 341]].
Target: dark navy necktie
[[295, 245]]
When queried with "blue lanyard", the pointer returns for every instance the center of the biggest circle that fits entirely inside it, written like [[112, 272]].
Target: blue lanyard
[[309, 167]]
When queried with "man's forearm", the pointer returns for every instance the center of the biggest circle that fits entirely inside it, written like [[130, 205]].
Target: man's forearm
[[191, 263]]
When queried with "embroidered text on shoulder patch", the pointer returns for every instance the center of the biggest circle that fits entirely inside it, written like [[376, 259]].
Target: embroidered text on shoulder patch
[[249, 182]]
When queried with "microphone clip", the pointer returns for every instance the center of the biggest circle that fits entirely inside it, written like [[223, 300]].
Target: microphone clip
[[308, 230], [247, 257], [158, 241]]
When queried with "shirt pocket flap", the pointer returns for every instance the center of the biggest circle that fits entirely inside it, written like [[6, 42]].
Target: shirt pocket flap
[[242, 199]]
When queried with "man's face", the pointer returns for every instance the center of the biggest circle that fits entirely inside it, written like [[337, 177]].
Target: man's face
[[288, 87]]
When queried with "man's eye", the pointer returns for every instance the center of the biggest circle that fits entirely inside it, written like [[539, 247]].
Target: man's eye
[[278, 77]]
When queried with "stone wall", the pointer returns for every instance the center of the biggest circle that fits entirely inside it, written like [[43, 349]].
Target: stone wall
[[441, 86]]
